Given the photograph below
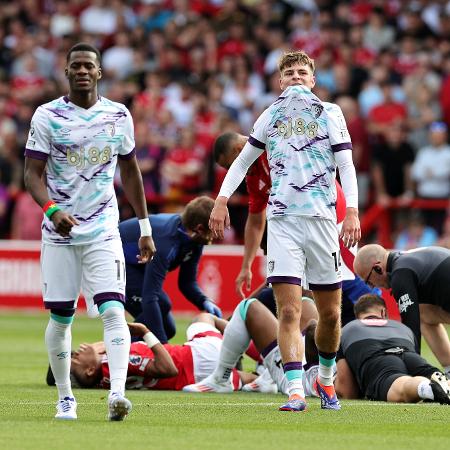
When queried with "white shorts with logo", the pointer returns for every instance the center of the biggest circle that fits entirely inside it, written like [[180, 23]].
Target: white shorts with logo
[[300, 247], [98, 270]]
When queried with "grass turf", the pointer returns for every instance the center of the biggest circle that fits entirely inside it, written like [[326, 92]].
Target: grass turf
[[174, 420]]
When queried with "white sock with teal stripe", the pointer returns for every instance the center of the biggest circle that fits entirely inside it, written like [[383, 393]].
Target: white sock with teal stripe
[[326, 367], [235, 341], [58, 340], [117, 342], [294, 375]]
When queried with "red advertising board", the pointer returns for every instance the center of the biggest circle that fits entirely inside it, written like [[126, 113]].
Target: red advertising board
[[20, 285]]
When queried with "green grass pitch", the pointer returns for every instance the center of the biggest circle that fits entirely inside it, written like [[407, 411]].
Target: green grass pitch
[[173, 420]]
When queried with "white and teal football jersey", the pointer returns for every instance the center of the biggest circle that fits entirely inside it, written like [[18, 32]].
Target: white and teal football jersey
[[301, 135], [81, 147]]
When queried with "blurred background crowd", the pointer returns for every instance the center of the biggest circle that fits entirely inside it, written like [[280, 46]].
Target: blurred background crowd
[[189, 70]]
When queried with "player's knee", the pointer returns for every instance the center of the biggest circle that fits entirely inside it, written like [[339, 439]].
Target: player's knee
[[330, 317], [243, 308], [289, 314], [112, 313]]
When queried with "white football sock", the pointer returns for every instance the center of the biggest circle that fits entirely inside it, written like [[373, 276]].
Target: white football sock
[[235, 341], [117, 342], [424, 390], [58, 340]]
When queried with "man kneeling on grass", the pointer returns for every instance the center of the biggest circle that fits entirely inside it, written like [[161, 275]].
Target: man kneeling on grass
[[378, 360]]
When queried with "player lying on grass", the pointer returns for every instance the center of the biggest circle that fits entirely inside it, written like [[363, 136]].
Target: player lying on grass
[[252, 320], [156, 366], [378, 360], [153, 365]]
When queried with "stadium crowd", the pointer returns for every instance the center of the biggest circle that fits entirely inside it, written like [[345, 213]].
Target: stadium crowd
[[190, 70]]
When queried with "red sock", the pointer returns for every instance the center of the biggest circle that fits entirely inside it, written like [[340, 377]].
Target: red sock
[[252, 351]]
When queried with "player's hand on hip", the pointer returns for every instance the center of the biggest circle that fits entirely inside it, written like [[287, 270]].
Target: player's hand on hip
[[245, 276], [219, 219], [147, 249], [63, 222], [137, 329], [351, 229]]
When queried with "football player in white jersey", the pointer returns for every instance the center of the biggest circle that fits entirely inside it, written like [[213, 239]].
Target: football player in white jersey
[[305, 140], [74, 144]]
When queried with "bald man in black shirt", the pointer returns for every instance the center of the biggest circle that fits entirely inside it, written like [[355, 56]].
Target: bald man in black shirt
[[420, 282]]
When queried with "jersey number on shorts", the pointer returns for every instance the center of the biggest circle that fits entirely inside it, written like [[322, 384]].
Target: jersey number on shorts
[[337, 260], [120, 270]]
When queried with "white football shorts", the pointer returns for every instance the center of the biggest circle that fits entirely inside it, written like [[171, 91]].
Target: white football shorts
[[301, 247], [96, 269]]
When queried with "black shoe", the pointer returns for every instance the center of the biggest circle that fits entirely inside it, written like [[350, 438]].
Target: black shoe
[[441, 390]]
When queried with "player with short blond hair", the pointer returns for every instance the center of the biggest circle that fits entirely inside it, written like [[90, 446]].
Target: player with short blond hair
[[305, 140]]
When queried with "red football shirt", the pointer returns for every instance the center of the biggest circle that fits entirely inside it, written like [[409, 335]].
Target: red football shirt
[[258, 185], [140, 356]]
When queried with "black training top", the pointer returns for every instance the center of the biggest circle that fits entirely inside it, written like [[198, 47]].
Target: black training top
[[419, 276], [364, 339]]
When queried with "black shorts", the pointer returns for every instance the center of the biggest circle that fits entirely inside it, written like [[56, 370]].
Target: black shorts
[[379, 372]]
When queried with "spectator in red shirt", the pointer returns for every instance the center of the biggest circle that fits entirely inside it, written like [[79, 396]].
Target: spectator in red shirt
[[360, 141], [183, 168], [387, 114]]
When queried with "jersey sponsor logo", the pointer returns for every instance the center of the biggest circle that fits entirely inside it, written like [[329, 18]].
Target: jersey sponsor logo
[[271, 266], [404, 302], [93, 156], [297, 126]]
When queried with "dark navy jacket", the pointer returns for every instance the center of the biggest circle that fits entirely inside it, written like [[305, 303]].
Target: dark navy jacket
[[174, 249]]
